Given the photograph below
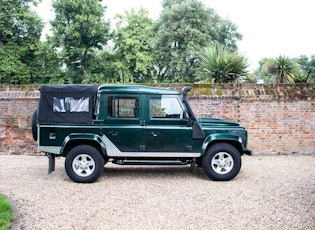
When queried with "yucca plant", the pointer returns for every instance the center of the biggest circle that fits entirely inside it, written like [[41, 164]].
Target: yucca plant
[[285, 69], [220, 65]]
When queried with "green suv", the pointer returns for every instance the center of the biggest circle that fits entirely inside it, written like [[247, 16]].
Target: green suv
[[132, 125]]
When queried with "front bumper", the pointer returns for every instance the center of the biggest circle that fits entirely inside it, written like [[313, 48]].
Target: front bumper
[[248, 152]]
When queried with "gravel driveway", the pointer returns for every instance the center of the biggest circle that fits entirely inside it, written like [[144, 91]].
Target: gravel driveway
[[271, 192]]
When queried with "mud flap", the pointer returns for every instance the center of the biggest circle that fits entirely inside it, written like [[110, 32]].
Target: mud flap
[[51, 162], [193, 168]]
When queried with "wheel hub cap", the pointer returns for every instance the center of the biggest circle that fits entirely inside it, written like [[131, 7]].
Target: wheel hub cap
[[222, 163], [83, 165]]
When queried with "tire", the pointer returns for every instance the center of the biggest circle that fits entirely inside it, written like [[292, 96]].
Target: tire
[[34, 124], [84, 164], [222, 162]]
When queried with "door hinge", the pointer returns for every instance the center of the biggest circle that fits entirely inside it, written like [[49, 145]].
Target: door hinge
[[188, 148], [142, 148]]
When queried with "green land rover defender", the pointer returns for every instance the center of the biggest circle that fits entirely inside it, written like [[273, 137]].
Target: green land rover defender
[[132, 125]]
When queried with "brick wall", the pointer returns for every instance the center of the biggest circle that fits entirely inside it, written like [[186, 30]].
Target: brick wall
[[16, 108], [279, 118]]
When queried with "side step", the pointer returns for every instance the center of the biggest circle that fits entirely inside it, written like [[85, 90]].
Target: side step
[[149, 162]]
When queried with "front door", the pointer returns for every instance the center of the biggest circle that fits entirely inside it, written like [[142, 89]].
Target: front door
[[166, 128]]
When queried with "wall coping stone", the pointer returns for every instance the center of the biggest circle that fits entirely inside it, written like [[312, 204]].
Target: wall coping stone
[[300, 91]]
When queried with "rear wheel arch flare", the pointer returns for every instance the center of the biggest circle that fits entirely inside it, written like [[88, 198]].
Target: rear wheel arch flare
[[76, 142]]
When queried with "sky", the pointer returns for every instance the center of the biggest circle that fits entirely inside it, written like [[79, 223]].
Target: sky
[[270, 28]]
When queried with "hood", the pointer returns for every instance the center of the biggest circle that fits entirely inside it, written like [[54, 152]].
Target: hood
[[215, 122]]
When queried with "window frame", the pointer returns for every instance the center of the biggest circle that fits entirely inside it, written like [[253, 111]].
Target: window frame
[[154, 118], [112, 110]]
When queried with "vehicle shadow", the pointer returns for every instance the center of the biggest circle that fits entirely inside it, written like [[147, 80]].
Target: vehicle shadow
[[152, 172]]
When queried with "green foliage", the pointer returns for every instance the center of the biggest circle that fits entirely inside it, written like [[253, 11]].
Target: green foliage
[[183, 28], [183, 45], [19, 24], [267, 71], [223, 31], [281, 70], [47, 65], [285, 69], [20, 30], [78, 29], [102, 69], [134, 37], [5, 213], [217, 64], [12, 68], [307, 69]]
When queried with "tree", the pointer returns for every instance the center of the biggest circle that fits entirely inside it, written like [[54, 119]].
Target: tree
[[47, 64], [20, 30], [266, 71], [133, 39], [183, 29], [79, 29], [307, 69], [103, 69], [218, 64]]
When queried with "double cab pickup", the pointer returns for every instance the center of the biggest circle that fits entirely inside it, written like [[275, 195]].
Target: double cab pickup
[[132, 125]]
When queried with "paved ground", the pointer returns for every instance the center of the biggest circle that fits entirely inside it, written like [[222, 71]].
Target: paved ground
[[271, 192]]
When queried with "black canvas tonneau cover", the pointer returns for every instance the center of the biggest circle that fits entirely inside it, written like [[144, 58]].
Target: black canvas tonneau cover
[[66, 103]]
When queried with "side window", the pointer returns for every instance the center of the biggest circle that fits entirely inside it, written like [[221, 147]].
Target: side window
[[97, 107], [165, 107], [123, 107], [70, 104]]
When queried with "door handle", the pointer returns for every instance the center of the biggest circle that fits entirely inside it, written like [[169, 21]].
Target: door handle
[[113, 132], [154, 134]]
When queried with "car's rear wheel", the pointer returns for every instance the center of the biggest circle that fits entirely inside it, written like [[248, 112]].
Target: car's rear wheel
[[84, 164], [222, 162]]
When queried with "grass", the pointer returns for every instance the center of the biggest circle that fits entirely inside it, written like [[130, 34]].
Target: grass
[[6, 216]]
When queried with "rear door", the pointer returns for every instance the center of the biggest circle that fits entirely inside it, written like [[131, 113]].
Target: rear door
[[123, 128]]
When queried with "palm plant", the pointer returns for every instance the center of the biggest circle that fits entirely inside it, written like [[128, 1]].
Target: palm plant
[[219, 65]]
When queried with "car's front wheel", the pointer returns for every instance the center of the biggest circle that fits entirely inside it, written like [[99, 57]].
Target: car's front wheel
[[222, 162], [84, 164]]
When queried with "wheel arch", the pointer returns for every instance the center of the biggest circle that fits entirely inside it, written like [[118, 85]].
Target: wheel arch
[[74, 140], [222, 138]]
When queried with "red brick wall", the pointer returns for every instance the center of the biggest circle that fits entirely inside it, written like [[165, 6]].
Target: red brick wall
[[16, 108], [279, 118], [273, 126]]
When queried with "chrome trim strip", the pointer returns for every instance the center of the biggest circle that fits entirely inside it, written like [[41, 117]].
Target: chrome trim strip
[[50, 149]]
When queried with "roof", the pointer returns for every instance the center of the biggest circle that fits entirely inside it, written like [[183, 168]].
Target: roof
[[71, 88], [125, 89], [66, 103]]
